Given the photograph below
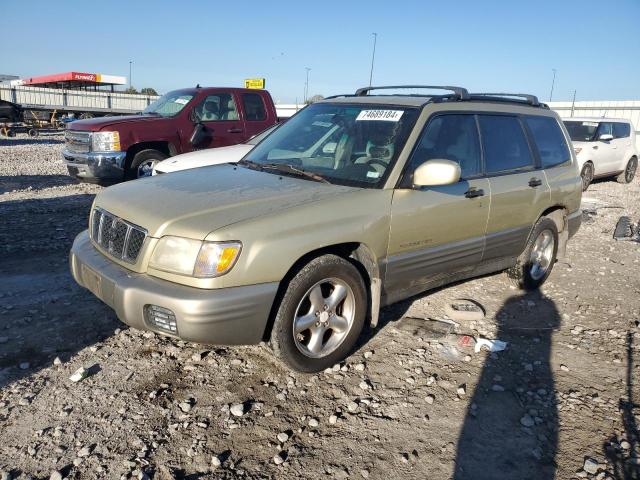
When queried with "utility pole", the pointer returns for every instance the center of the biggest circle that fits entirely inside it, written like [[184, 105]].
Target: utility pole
[[130, 62], [573, 103], [373, 55], [306, 85], [553, 82]]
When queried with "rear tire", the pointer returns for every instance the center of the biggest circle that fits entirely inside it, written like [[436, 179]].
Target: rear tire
[[534, 265], [586, 175], [143, 163], [321, 315], [629, 171]]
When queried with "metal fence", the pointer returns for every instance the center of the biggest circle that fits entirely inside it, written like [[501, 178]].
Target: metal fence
[[75, 100]]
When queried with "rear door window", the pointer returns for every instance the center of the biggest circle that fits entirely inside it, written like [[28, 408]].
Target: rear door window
[[254, 107], [450, 137], [621, 130], [504, 143], [550, 142]]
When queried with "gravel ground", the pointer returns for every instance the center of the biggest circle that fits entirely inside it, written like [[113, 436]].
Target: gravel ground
[[411, 402]]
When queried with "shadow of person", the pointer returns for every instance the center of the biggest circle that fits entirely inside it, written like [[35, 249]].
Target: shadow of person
[[511, 427], [623, 451]]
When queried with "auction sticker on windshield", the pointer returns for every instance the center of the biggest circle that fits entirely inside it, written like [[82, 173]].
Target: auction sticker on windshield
[[181, 101], [385, 115]]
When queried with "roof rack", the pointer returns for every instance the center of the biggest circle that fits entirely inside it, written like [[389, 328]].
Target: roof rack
[[530, 99], [459, 92]]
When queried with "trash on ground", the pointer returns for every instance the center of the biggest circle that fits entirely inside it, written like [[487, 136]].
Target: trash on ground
[[625, 230], [466, 341], [79, 375], [490, 345], [464, 309]]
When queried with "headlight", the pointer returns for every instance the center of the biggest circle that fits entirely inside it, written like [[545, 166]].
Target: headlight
[[194, 258], [577, 150], [105, 141]]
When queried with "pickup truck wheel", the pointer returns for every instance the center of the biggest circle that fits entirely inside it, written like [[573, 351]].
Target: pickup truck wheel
[[534, 266], [586, 175], [143, 163], [629, 172], [321, 315]]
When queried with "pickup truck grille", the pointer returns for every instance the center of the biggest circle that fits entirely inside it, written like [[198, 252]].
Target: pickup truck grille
[[119, 238], [77, 141]]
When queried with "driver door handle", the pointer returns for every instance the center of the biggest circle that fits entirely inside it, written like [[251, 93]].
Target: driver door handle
[[535, 182], [474, 192], [234, 130]]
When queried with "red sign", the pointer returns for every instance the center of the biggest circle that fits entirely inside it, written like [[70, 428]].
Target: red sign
[[86, 77]]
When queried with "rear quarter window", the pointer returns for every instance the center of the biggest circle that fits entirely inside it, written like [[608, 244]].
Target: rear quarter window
[[621, 130], [254, 107], [549, 141]]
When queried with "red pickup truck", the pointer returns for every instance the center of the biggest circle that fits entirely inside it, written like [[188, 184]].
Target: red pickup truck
[[112, 149]]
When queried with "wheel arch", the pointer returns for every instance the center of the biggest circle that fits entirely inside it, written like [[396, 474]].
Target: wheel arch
[[558, 214], [162, 146], [359, 255]]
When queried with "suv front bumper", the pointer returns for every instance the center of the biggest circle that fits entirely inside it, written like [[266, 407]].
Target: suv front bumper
[[95, 165], [225, 316]]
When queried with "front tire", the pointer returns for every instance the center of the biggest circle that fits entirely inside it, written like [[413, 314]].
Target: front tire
[[586, 175], [321, 315], [629, 171], [143, 163], [534, 266]]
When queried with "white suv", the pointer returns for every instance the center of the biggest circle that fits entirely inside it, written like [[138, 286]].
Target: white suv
[[605, 147]]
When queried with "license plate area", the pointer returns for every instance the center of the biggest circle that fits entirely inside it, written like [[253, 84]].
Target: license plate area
[[92, 281]]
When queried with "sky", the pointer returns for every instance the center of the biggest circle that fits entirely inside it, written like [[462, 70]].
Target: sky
[[483, 45]]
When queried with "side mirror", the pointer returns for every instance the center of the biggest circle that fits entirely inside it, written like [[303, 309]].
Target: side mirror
[[433, 173], [605, 137], [198, 135]]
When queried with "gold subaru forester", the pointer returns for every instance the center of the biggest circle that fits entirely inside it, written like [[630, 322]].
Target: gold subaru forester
[[356, 202]]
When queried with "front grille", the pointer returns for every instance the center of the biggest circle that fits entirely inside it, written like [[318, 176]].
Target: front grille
[[77, 141], [119, 238]]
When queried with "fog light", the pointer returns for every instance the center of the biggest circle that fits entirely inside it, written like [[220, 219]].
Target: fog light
[[161, 318]]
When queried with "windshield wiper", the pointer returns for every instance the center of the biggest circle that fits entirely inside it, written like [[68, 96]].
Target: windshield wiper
[[250, 164], [291, 170]]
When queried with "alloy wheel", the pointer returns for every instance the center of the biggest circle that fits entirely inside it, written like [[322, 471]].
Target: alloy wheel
[[587, 176], [324, 317], [145, 169], [541, 254], [630, 171]]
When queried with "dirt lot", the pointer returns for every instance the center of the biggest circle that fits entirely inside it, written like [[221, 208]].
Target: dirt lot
[[411, 402]]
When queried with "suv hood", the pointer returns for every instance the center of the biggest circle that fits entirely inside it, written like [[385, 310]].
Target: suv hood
[[96, 124], [194, 203]]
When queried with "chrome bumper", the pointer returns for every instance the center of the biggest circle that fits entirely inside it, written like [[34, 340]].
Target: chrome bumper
[[226, 316], [95, 165]]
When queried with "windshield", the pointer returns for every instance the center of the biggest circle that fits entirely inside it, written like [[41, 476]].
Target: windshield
[[169, 105], [256, 139], [581, 131], [345, 144]]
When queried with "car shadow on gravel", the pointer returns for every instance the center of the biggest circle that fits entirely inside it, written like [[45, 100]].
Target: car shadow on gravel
[[623, 451], [511, 427], [33, 182], [43, 313]]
